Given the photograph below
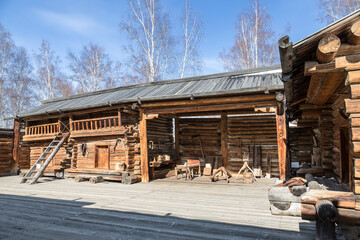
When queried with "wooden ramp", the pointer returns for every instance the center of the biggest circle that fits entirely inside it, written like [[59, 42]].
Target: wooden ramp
[[63, 209]]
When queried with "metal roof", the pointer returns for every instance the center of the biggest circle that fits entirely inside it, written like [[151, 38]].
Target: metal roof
[[244, 81]]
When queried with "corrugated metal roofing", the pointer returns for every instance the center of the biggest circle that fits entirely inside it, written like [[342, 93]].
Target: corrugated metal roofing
[[254, 80]]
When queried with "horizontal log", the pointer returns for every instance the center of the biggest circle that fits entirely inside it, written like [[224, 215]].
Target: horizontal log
[[212, 108], [352, 106], [212, 101], [355, 91], [339, 199]]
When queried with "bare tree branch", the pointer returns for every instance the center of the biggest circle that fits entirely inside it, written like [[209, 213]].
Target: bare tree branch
[[332, 10], [148, 27], [92, 70], [254, 46]]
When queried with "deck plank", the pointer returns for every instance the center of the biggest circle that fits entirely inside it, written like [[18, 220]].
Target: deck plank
[[63, 209]]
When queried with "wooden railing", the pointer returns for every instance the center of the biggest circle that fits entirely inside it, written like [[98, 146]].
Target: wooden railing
[[94, 123], [43, 129]]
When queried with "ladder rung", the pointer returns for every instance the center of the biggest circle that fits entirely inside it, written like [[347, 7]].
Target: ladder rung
[[27, 178]]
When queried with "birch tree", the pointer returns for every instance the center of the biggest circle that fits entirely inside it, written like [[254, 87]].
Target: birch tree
[[6, 55], [190, 61], [48, 71], [148, 28], [92, 69], [20, 94], [332, 10], [254, 44]]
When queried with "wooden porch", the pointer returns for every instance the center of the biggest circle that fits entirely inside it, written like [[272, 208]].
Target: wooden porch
[[158, 210]]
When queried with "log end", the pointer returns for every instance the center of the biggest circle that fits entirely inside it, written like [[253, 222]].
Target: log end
[[354, 34], [327, 48]]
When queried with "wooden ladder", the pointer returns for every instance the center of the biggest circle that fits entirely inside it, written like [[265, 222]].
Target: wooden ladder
[[43, 160]]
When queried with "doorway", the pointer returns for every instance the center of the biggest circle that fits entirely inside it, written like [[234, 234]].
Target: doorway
[[102, 156], [344, 155]]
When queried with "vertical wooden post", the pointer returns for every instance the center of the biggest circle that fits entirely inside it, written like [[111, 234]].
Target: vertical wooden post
[[59, 124], [281, 139], [144, 148], [224, 144], [177, 140], [16, 147], [71, 122], [119, 117]]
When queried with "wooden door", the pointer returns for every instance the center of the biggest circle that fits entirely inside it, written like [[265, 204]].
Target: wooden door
[[344, 155], [102, 157]]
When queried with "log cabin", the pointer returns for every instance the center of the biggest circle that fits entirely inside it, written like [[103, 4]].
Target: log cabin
[[321, 76], [143, 131]]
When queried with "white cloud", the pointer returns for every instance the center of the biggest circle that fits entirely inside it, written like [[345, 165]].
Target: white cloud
[[77, 23]]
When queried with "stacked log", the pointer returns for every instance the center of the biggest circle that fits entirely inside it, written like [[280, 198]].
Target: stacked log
[[346, 204], [248, 133], [6, 148]]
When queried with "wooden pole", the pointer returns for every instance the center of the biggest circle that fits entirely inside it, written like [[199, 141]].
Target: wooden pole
[[177, 139], [16, 146], [119, 117], [281, 137], [144, 148], [224, 147]]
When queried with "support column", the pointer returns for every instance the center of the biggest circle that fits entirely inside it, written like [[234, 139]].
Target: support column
[[224, 143], [281, 135], [177, 140], [144, 148], [16, 146]]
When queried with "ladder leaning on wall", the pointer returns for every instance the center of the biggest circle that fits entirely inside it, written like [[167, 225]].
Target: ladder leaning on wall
[[45, 158]]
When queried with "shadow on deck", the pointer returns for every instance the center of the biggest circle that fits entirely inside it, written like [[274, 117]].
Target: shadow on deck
[[27, 217]]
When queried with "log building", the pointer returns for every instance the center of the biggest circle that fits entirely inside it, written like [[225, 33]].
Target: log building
[[321, 76], [144, 130]]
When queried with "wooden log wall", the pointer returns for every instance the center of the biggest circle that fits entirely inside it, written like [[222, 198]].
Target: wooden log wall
[[245, 134], [24, 152], [6, 148], [61, 160], [326, 142], [160, 137], [122, 148], [301, 141], [352, 107], [197, 132]]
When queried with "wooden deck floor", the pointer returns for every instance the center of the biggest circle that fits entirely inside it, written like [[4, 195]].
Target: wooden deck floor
[[63, 209]]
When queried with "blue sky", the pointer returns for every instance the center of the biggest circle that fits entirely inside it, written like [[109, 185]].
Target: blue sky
[[70, 24]]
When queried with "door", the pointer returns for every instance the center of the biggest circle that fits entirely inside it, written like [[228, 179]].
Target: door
[[344, 155], [102, 156]]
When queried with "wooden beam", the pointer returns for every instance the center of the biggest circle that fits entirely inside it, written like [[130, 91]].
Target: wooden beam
[[223, 107], [352, 105], [314, 86], [354, 34], [177, 139], [151, 116], [224, 143], [210, 101], [144, 148], [328, 87], [281, 141], [353, 77], [327, 48], [16, 146], [314, 107], [339, 64], [339, 199]]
